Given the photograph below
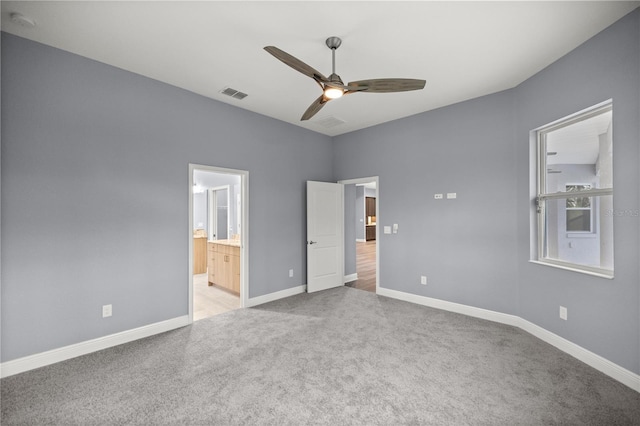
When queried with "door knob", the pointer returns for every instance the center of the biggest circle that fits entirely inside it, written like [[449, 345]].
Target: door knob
[[313, 242]]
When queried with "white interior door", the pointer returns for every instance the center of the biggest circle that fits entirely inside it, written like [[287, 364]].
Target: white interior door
[[325, 235]]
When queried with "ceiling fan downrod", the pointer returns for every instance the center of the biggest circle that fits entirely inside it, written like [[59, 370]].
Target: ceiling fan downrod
[[333, 43]]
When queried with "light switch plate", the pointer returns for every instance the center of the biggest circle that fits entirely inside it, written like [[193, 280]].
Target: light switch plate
[[451, 195], [387, 229]]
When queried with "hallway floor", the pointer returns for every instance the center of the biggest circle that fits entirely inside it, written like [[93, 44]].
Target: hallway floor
[[365, 266]]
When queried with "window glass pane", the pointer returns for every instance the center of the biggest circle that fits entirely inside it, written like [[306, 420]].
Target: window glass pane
[[579, 156], [578, 220], [579, 203], [580, 236]]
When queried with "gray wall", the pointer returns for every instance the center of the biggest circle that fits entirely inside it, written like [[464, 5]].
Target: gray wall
[[350, 229], [475, 249], [602, 314], [95, 193], [465, 247]]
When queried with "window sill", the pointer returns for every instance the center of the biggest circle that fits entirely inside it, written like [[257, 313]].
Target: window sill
[[604, 274], [581, 235]]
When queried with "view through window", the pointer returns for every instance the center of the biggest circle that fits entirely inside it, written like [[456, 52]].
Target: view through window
[[575, 192]]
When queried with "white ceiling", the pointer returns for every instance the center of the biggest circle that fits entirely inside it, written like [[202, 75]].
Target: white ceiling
[[462, 49]]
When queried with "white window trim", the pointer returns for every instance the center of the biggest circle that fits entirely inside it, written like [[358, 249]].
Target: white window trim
[[572, 267]]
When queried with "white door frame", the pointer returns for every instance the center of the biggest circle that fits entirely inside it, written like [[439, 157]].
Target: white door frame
[[244, 236], [375, 179]]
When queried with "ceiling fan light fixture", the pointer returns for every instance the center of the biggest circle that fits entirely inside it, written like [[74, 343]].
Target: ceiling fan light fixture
[[333, 92]]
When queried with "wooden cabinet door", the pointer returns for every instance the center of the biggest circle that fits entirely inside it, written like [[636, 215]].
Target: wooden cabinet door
[[371, 233], [235, 269], [223, 263], [199, 255], [221, 269], [234, 273], [370, 206], [211, 263]]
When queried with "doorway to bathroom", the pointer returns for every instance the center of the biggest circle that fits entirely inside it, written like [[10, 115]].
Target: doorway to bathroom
[[218, 260]]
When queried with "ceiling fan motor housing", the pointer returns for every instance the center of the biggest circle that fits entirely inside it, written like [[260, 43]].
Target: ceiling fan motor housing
[[335, 78]]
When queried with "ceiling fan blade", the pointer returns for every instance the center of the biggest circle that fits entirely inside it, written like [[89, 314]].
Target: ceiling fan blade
[[296, 63], [386, 85], [343, 87], [314, 107]]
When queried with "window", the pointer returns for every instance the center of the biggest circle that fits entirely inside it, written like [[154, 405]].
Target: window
[[578, 210], [574, 192]]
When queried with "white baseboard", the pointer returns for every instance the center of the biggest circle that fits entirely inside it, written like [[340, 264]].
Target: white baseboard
[[255, 301], [360, 240], [42, 359], [451, 306], [601, 364], [349, 278]]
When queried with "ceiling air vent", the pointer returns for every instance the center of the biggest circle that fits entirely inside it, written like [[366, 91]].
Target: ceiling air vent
[[233, 93], [330, 122]]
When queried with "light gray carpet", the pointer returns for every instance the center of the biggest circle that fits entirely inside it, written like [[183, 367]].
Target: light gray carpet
[[339, 357]]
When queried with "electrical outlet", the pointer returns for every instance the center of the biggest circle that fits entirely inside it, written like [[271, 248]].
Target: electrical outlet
[[107, 311], [563, 313], [437, 196], [423, 280], [290, 273]]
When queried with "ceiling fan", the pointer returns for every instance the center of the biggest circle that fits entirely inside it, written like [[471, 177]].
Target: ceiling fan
[[333, 87]]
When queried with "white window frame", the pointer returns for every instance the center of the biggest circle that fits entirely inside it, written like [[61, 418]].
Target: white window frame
[[542, 196]]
